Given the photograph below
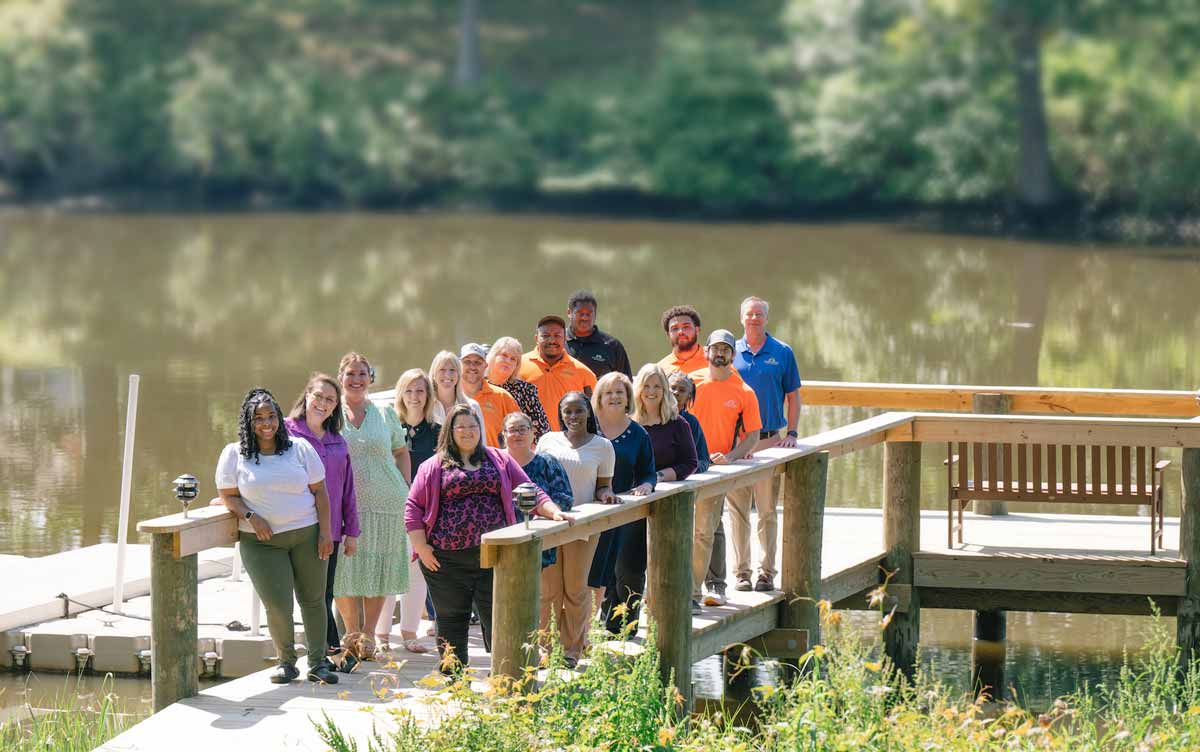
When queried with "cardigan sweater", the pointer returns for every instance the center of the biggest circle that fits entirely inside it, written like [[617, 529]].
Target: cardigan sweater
[[424, 496]]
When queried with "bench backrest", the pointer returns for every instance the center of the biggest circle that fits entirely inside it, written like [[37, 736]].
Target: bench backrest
[[1037, 472]]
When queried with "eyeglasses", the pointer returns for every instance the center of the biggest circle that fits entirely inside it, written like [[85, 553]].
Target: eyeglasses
[[519, 430]]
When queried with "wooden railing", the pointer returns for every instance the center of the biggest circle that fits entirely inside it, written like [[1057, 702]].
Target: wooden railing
[[1056, 401], [514, 552]]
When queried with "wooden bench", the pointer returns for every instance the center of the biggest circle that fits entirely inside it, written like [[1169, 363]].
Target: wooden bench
[[1079, 474]]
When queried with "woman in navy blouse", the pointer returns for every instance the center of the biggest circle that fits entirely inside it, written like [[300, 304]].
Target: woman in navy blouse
[[621, 555]]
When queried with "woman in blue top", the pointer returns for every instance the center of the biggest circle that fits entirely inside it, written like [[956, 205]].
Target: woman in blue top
[[621, 553]]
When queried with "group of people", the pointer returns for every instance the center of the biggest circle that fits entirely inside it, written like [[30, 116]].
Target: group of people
[[345, 504]]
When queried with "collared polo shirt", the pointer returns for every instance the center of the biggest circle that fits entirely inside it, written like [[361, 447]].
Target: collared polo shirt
[[690, 364], [552, 382], [601, 353], [726, 409], [772, 374], [495, 404]]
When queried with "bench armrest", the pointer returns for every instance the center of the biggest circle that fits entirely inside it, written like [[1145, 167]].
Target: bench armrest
[[954, 458], [1161, 465]]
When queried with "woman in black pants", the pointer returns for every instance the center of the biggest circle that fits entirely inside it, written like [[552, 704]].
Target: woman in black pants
[[462, 492]]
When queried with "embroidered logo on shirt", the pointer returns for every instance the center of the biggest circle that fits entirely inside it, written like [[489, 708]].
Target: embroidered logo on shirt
[[732, 404], [772, 362], [598, 358]]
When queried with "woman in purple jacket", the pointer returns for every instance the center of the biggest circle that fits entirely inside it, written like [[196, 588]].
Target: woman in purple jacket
[[458, 494], [317, 417]]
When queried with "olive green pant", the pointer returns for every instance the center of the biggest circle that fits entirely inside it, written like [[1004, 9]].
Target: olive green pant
[[288, 564]]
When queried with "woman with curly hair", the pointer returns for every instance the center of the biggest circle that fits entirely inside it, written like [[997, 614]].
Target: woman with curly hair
[[276, 487]]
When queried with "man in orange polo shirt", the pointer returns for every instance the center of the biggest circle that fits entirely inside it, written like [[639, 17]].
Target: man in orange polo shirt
[[728, 413], [552, 370], [494, 403], [682, 325]]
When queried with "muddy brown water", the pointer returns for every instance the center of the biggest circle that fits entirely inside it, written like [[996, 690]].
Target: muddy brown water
[[205, 306]]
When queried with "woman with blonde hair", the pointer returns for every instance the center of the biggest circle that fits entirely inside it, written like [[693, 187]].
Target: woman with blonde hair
[[504, 362], [445, 372], [413, 405], [621, 553], [381, 465]]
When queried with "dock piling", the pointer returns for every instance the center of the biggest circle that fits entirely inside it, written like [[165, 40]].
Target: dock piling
[[173, 607], [901, 538], [1187, 629], [804, 484], [516, 606], [669, 578]]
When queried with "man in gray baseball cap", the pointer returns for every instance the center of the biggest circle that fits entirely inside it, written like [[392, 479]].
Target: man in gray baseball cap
[[728, 412]]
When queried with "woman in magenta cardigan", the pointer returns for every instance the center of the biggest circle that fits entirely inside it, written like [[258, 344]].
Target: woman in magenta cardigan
[[458, 494]]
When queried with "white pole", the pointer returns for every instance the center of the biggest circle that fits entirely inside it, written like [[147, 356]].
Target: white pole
[[255, 613], [118, 597], [235, 570]]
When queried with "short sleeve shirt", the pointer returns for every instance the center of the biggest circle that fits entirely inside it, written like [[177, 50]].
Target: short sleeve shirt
[[595, 459], [725, 409], [495, 404], [687, 364], [276, 487], [772, 374], [554, 381]]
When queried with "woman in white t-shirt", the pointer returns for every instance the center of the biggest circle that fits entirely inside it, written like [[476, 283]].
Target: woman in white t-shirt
[[276, 486], [588, 459]]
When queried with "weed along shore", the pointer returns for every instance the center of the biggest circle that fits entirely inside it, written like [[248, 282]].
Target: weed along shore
[[834, 688]]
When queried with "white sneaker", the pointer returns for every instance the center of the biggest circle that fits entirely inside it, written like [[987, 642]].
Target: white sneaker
[[714, 598]]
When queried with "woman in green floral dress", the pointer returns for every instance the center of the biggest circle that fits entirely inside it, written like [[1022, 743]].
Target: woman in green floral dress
[[380, 463]]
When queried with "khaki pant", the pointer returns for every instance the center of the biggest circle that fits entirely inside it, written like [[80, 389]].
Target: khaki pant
[[764, 496], [566, 595], [708, 517]]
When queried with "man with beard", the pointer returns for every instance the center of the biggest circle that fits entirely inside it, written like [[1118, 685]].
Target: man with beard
[[602, 353], [728, 413], [682, 325], [552, 370]]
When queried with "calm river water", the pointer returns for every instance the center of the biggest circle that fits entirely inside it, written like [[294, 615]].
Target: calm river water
[[204, 307]]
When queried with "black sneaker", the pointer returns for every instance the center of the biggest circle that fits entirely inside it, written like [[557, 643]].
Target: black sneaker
[[284, 673], [323, 672], [696, 610], [764, 584]]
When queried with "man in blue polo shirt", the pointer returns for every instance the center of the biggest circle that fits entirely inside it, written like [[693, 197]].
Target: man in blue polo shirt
[[768, 366]]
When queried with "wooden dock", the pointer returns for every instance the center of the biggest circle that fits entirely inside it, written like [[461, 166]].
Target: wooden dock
[[1100, 556]]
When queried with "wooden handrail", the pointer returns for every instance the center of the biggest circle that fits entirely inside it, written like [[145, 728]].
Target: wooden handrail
[[593, 519], [957, 398], [1045, 429]]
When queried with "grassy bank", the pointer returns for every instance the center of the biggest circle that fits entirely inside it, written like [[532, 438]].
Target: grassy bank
[[69, 723], [848, 697]]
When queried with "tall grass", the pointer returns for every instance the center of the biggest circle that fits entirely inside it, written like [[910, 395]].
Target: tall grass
[[69, 724], [847, 697]]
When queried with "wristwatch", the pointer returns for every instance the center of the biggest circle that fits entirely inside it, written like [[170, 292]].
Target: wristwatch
[[249, 514], [793, 434], [659, 475]]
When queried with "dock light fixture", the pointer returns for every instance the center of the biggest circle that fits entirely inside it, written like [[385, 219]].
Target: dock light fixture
[[525, 496], [186, 490], [20, 657]]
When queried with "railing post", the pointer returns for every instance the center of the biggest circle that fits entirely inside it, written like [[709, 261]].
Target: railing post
[[669, 579], [901, 538], [803, 530], [516, 599], [990, 403], [173, 601], [1187, 629]]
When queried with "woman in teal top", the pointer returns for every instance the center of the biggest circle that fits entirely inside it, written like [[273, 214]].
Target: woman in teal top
[[380, 463]]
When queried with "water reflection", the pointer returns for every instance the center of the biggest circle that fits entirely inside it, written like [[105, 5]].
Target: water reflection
[[204, 307]]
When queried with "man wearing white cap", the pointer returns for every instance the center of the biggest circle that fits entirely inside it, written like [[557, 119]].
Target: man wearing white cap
[[728, 412], [494, 403]]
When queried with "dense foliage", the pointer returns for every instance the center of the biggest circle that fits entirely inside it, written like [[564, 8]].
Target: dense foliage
[[782, 105]]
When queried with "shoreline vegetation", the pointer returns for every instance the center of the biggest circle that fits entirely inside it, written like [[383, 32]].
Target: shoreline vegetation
[[846, 696], [1071, 120], [74, 723]]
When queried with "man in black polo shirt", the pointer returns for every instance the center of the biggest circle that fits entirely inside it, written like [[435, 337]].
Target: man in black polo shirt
[[602, 353]]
